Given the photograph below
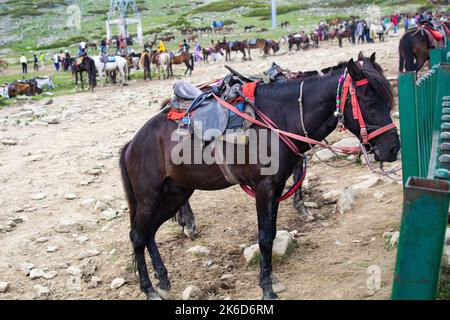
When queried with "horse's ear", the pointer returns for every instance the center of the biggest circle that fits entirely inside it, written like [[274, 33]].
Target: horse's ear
[[353, 70], [360, 56], [372, 57]]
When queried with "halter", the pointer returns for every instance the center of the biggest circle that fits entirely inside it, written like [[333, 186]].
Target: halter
[[350, 87]]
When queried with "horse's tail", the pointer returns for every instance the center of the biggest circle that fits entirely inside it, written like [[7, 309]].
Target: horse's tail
[[406, 53], [192, 62], [129, 192], [93, 73]]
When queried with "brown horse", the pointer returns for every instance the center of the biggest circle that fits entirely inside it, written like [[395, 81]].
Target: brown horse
[[162, 61], [186, 58], [342, 34], [298, 40], [233, 46], [156, 184], [145, 61], [29, 88], [3, 65], [315, 39], [414, 49]]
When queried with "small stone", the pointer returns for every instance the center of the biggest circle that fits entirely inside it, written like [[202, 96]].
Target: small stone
[[338, 242], [42, 291], [117, 283], [9, 141], [95, 281], [11, 224], [332, 195], [192, 293], [52, 248], [50, 275], [39, 196], [199, 251], [36, 273], [69, 226], [100, 206], [112, 252], [250, 253], [75, 271], [323, 155], [51, 119], [17, 220], [346, 200], [109, 214], [26, 267], [312, 205], [89, 254], [379, 195], [42, 240], [278, 287], [88, 204], [281, 243], [4, 286], [369, 183], [82, 239], [70, 196], [393, 241], [226, 276]]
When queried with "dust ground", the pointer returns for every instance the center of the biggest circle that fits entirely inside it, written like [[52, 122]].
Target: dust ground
[[80, 155]]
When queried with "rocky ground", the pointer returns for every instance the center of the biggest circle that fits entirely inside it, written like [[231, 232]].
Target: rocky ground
[[64, 221]]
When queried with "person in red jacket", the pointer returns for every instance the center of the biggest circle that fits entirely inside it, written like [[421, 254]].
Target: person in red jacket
[[395, 23]]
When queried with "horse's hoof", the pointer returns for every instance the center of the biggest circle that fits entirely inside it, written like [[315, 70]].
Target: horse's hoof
[[164, 294], [153, 296], [270, 296], [191, 234]]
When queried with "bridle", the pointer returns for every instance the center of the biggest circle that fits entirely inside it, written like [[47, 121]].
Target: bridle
[[349, 90]]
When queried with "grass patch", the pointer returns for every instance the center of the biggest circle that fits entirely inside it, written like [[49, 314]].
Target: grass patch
[[267, 11], [444, 284], [21, 12], [64, 43], [227, 5]]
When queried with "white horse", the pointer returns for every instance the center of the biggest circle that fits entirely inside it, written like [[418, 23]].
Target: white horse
[[119, 63]]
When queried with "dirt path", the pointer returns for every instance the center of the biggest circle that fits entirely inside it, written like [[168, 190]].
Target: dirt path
[[77, 157]]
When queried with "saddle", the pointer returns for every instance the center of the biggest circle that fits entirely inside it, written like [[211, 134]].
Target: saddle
[[252, 41], [437, 35]]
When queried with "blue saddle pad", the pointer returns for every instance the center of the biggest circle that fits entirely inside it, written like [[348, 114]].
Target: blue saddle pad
[[252, 41], [111, 59]]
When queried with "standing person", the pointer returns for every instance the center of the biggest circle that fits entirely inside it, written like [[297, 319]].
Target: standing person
[[367, 32], [68, 62], [185, 47], [197, 51], [82, 49], [406, 23], [212, 49], [62, 59], [380, 31], [41, 59], [360, 31], [353, 30], [35, 62], [162, 47], [56, 58], [122, 45], [23, 61], [103, 47], [395, 23]]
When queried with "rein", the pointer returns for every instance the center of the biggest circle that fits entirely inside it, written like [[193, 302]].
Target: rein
[[348, 88]]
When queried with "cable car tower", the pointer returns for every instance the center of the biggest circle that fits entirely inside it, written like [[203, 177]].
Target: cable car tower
[[119, 15]]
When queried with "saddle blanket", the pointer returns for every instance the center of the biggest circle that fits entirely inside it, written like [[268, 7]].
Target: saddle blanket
[[252, 41], [438, 36]]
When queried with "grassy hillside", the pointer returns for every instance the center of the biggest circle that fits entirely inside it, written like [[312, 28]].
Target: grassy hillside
[[34, 25]]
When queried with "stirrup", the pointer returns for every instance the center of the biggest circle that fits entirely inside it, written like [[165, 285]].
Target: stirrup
[[184, 127]]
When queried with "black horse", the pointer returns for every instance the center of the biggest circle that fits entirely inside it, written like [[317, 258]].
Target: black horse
[[414, 48], [86, 65], [156, 187]]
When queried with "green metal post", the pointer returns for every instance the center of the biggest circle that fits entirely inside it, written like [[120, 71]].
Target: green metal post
[[408, 124], [422, 233]]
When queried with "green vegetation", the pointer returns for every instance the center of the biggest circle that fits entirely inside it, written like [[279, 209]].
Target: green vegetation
[[227, 5], [267, 11], [444, 284]]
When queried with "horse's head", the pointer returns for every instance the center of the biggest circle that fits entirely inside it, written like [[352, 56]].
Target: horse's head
[[375, 98]]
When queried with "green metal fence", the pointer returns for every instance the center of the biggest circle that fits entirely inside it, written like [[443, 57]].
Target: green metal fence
[[425, 132]]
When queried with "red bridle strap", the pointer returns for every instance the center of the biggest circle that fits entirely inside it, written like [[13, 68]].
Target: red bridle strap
[[356, 109]]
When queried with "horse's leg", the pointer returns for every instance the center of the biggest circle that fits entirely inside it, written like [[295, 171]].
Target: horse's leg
[[298, 203], [185, 218], [267, 209], [188, 67], [81, 79], [169, 205]]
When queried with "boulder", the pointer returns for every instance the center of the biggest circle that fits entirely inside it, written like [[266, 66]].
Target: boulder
[[42, 291], [36, 273], [26, 267], [109, 214], [250, 253]]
